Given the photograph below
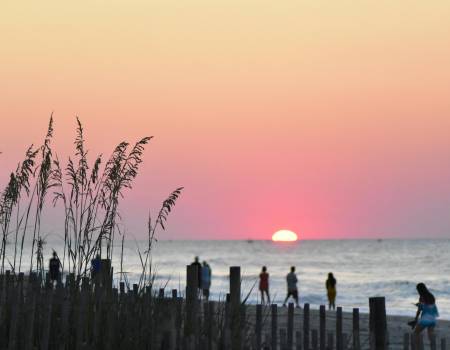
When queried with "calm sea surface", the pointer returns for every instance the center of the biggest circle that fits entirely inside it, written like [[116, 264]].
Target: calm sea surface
[[363, 268]]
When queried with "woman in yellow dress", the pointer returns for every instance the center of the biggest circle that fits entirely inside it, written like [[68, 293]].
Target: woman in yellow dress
[[331, 291]]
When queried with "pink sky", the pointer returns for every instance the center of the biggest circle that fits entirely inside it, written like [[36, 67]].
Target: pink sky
[[331, 119]]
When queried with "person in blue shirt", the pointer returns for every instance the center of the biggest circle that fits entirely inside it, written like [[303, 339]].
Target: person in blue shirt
[[96, 265], [206, 279], [426, 315]]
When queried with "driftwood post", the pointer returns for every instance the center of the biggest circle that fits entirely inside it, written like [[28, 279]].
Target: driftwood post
[[274, 325], [290, 326], [339, 340], [306, 327], [235, 304], [378, 323], [322, 327]]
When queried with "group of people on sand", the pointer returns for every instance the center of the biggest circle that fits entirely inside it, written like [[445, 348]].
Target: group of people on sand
[[292, 290], [426, 314]]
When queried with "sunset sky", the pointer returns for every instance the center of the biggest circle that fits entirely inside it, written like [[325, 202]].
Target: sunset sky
[[328, 118]]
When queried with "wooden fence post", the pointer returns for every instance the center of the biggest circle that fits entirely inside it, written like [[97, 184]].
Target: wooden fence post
[[314, 340], [356, 337], [258, 326], [433, 342], [283, 339], [421, 342], [191, 300], [412, 342], [378, 324], [235, 304], [322, 327], [13, 321], [45, 340], [306, 326], [298, 340], [344, 340], [330, 341], [29, 329], [274, 325], [290, 326], [406, 341], [443, 344], [339, 340]]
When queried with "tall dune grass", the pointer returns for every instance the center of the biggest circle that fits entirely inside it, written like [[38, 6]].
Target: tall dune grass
[[89, 195]]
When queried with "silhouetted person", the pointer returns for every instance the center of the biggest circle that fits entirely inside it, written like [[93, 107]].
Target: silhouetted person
[[96, 266], [54, 269], [428, 312], [199, 271], [206, 279], [330, 284], [264, 285], [292, 290]]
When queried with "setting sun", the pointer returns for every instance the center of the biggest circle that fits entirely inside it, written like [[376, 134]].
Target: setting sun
[[284, 236]]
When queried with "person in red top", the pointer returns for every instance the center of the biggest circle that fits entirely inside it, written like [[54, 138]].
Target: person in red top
[[264, 284]]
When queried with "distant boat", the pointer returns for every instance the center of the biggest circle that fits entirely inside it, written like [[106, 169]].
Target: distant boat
[[249, 240], [379, 240]]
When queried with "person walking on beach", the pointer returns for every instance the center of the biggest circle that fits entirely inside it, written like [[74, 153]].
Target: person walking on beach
[[426, 315], [292, 290], [54, 269], [206, 280], [199, 272], [264, 285], [330, 284]]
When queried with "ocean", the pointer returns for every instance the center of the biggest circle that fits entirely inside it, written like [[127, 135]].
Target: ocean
[[363, 268]]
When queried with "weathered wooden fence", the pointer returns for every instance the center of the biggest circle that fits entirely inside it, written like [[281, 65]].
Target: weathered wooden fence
[[86, 314]]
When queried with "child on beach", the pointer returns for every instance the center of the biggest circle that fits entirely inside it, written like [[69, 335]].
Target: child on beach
[[330, 284], [292, 290], [428, 312], [264, 284]]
